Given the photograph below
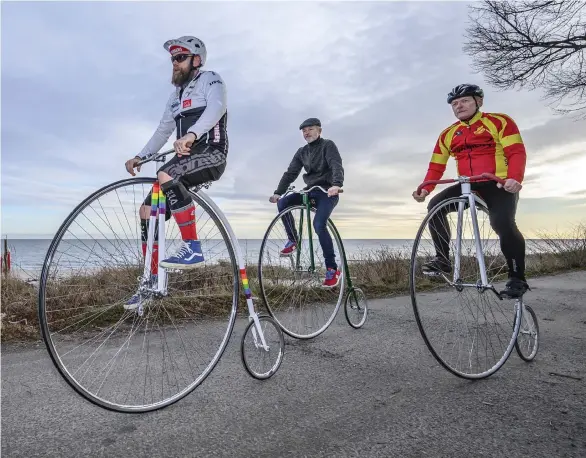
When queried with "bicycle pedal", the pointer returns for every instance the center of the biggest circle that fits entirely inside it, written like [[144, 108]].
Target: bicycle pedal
[[175, 271], [431, 273]]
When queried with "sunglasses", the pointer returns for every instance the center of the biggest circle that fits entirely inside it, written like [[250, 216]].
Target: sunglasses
[[180, 57]]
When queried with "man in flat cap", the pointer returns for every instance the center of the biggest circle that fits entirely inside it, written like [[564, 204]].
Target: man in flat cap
[[323, 166]]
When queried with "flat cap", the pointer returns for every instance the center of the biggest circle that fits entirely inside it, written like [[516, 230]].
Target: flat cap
[[310, 122]]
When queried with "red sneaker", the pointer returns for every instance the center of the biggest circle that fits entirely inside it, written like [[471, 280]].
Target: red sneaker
[[290, 247], [332, 278]]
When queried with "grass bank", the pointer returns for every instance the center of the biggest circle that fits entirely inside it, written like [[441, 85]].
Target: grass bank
[[380, 273]]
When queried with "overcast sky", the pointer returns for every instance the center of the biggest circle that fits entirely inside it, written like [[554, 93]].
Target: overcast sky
[[84, 86]]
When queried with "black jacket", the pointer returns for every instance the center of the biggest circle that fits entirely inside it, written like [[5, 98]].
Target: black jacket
[[322, 162]]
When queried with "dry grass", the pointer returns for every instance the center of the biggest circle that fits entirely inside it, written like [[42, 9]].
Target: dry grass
[[380, 273], [563, 253], [19, 310]]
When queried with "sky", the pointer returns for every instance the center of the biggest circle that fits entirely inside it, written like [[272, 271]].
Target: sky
[[84, 86]]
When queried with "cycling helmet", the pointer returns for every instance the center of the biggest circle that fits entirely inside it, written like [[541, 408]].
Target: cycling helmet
[[463, 90], [187, 44]]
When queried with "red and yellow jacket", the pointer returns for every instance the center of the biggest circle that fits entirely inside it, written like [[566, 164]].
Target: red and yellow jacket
[[489, 142]]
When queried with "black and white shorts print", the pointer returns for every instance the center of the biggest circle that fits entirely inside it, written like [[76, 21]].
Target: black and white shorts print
[[205, 163]]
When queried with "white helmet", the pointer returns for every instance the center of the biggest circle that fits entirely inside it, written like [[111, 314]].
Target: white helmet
[[189, 44]]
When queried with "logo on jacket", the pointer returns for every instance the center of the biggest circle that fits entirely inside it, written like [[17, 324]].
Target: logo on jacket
[[480, 130], [187, 103]]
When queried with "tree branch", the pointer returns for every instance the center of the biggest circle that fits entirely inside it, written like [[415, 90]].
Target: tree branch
[[540, 44]]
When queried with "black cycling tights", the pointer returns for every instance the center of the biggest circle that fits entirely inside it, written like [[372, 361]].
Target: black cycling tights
[[502, 206]]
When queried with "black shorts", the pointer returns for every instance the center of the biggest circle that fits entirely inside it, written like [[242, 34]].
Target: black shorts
[[204, 165]]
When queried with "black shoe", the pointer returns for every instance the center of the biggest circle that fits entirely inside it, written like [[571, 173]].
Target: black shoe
[[437, 265], [515, 288]]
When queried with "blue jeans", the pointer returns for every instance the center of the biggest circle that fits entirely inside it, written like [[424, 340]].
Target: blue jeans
[[324, 206]]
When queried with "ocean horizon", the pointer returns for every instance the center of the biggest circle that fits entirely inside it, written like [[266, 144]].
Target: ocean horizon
[[28, 254]]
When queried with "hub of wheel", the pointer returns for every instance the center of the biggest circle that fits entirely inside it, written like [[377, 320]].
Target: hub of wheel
[[459, 285]]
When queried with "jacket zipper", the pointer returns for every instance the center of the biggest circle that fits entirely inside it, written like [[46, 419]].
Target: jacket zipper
[[180, 114], [469, 150], [181, 92]]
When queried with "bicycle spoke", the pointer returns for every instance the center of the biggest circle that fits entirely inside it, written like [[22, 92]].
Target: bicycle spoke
[[293, 292], [466, 326], [116, 357]]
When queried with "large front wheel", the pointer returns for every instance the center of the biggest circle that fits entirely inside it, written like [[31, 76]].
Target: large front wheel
[[291, 283], [125, 358], [466, 326]]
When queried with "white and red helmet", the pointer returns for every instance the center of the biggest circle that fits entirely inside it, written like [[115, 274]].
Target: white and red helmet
[[187, 44]]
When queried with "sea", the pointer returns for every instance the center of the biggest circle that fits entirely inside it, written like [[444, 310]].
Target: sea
[[28, 255]]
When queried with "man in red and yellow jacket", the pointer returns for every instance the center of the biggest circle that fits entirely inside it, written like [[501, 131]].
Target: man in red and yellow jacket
[[481, 143]]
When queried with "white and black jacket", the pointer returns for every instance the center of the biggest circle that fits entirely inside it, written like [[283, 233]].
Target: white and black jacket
[[199, 107]]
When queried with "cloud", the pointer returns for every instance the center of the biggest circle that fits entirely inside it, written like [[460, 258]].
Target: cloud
[[579, 193], [93, 87]]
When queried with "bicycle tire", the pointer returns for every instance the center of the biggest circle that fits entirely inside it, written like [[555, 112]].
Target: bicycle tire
[[281, 350], [418, 317], [272, 309], [356, 294], [42, 312], [531, 356]]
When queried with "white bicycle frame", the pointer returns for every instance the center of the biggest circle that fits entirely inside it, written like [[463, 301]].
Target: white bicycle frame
[[158, 208], [467, 191], [472, 199]]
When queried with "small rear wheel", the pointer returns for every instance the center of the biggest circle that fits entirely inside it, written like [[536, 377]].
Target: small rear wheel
[[262, 362], [527, 342], [356, 308]]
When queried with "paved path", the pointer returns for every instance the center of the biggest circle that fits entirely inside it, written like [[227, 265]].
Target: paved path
[[371, 392]]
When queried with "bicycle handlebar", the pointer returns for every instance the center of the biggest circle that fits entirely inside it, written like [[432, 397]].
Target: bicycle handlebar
[[306, 191], [471, 179], [156, 157]]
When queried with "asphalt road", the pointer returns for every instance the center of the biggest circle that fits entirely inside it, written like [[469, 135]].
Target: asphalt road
[[370, 392]]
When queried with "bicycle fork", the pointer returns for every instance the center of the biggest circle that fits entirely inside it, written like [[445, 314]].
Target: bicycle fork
[[252, 315], [466, 190], [309, 233], [157, 216], [306, 211]]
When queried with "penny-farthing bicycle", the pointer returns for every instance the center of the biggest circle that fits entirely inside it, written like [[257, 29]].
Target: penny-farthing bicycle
[[150, 356], [465, 322], [291, 285]]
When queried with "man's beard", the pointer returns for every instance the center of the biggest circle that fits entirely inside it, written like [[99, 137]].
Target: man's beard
[[179, 77]]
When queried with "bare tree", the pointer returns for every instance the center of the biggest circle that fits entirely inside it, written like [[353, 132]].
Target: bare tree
[[533, 44]]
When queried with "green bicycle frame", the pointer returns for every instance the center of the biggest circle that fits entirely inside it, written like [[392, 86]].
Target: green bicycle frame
[[307, 210]]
